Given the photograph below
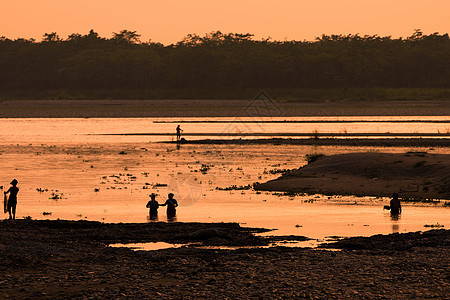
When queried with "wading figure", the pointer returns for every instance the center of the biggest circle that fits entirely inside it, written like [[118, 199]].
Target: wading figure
[[395, 206], [153, 205], [171, 203], [12, 201], [179, 131]]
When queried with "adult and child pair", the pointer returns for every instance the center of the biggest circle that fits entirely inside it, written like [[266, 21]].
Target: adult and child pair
[[171, 204]]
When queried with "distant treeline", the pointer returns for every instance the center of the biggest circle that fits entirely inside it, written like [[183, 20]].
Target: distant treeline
[[218, 65]]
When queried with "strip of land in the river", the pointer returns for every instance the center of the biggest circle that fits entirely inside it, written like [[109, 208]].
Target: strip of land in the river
[[415, 175], [364, 142]]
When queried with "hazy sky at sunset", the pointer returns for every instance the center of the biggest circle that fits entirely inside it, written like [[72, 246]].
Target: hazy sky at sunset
[[169, 21]]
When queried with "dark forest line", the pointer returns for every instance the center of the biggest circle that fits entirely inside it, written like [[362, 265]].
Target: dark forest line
[[226, 66]]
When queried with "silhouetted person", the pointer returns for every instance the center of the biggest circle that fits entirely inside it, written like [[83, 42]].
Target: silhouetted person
[[395, 206], [179, 131], [153, 205], [171, 204], [12, 200]]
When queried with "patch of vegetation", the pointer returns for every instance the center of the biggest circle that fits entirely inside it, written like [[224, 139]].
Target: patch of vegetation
[[437, 225], [289, 194], [236, 187], [279, 171], [55, 196], [157, 185], [420, 199], [313, 157], [205, 168]]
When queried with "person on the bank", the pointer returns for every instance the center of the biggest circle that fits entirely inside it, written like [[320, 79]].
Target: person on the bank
[[395, 206], [171, 204], [153, 205], [12, 200]]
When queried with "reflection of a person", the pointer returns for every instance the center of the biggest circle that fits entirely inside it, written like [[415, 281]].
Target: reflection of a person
[[395, 227], [395, 206], [171, 204], [153, 205], [12, 200]]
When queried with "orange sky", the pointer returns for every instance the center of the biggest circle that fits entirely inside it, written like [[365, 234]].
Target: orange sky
[[169, 21]]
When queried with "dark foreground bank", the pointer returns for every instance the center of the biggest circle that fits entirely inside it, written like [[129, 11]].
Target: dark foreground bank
[[65, 259]]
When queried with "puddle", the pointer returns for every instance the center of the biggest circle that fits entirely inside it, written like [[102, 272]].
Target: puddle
[[152, 246]]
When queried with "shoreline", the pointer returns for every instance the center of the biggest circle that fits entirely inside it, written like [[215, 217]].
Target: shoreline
[[218, 108], [64, 259]]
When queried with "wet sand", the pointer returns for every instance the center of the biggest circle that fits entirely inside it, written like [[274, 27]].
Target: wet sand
[[219, 108], [417, 175], [62, 260]]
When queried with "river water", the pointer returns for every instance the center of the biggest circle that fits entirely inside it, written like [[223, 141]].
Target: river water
[[86, 169]]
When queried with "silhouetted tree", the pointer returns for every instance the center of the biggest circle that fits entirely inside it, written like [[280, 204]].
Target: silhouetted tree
[[130, 37], [51, 37], [217, 61]]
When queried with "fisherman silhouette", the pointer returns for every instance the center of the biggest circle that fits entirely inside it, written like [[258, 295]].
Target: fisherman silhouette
[[179, 131], [153, 205], [171, 204], [12, 200], [395, 206]]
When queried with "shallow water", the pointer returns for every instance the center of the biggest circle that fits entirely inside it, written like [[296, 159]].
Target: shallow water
[[108, 178], [103, 130]]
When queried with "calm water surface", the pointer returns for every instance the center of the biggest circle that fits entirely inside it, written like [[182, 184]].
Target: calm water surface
[[67, 169]]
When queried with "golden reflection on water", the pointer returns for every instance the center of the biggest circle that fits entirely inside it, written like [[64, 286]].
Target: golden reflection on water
[[75, 130]]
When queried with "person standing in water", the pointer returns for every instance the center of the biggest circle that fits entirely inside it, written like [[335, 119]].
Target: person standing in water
[[12, 200], [153, 205], [171, 204], [395, 206], [179, 131]]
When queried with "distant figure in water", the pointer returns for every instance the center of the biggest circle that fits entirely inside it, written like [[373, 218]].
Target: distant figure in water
[[171, 204], [179, 131], [395, 206], [153, 205], [12, 200]]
